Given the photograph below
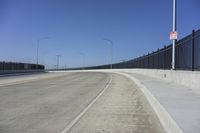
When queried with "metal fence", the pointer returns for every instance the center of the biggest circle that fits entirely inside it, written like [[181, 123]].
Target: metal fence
[[187, 56], [4, 66]]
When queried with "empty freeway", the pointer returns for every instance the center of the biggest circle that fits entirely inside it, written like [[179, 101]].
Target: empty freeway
[[74, 102]]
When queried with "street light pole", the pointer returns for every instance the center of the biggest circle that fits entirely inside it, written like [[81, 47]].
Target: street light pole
[[58, 57], [111, 56], [38, 43], [37, 49], [174, 30], [83, 56]]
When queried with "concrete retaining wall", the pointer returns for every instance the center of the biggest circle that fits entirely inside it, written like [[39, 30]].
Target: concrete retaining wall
[[190, 79], [187, 78]]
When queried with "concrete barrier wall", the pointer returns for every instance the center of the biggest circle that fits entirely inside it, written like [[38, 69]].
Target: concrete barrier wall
[[187, 78], [190, 79]]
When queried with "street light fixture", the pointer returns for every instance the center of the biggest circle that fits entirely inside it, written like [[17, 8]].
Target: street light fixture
[[38, 43], [111, 56]]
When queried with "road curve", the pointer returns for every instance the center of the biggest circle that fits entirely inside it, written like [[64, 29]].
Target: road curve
[[49, 105]]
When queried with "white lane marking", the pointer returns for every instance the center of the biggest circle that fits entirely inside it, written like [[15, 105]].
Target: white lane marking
[[77, 118]]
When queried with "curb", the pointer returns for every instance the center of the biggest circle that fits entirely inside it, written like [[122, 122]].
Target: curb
[[168, 123]]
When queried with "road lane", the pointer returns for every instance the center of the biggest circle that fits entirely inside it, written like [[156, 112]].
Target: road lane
[[47, 106], [121, 109]]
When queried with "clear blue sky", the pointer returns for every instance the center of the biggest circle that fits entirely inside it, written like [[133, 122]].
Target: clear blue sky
[[77, 26]]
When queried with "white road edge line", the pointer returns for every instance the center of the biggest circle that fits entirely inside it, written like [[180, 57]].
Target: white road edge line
[[77, 118]]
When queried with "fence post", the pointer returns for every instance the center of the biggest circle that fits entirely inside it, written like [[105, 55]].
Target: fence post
[[193, 33], [148, 61], [153, 60], [158, 64], [164, 57], [3, 66]]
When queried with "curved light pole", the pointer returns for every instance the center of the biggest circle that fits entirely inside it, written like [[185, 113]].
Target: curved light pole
[[38, 43], [111, 51], [83, 56]]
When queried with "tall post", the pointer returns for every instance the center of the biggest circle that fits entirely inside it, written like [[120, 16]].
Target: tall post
[[38, 43], [37, 49], [58, 57], [83, 59], [111, 52], [174, 40], [111, 64]]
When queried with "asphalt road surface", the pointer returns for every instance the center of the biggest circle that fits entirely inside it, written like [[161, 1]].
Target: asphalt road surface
[[87, 102]]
